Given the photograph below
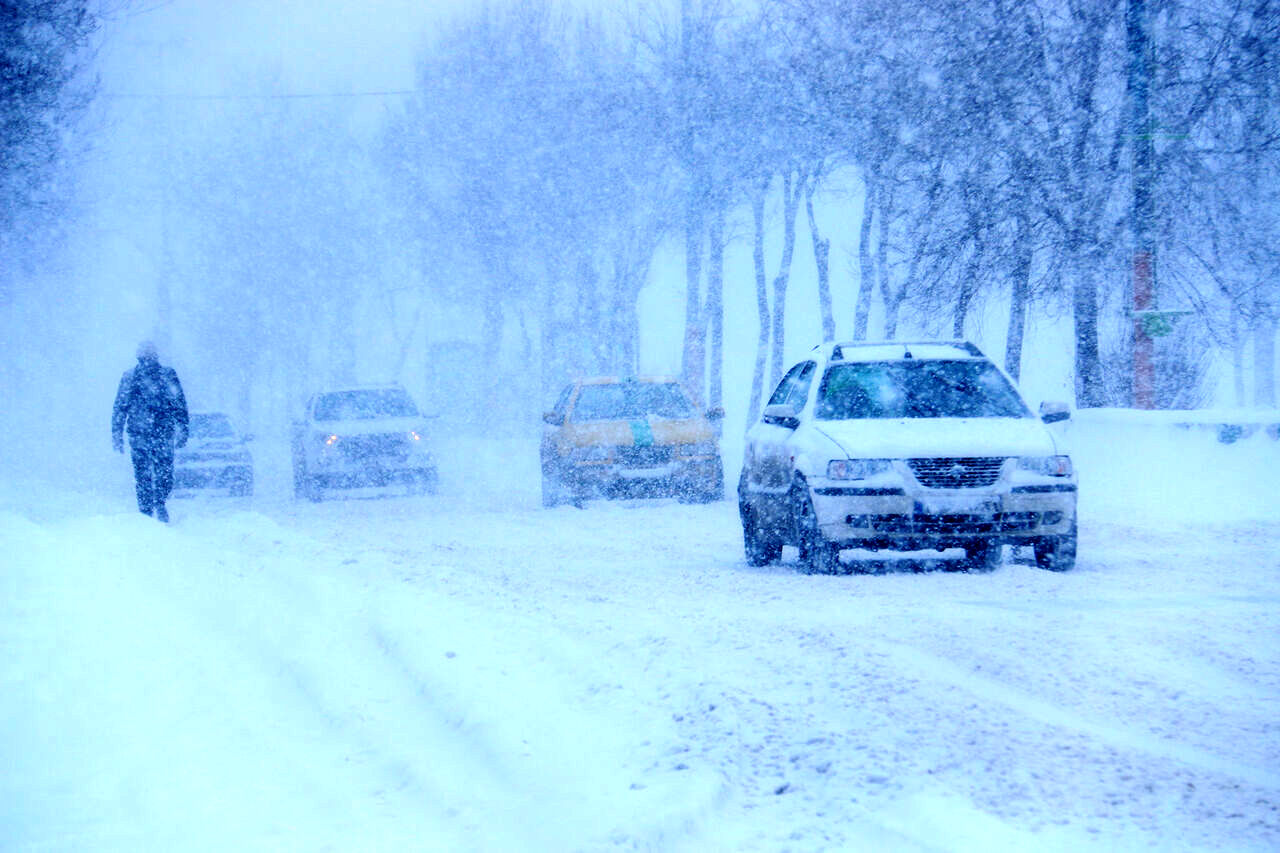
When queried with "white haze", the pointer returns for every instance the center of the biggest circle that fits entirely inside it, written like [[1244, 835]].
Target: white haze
[[176, 78]]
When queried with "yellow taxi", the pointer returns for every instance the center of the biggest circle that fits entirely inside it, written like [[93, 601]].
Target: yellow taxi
[[629, 437]]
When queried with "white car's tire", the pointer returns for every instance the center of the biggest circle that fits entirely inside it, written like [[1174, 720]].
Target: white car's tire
[[760, 548], [1057, 553], [983, 556], [818, 555]]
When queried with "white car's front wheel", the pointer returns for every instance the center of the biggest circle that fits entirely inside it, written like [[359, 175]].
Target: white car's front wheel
[[1057, 553], [818, 555], [761, 548], [983, 556]]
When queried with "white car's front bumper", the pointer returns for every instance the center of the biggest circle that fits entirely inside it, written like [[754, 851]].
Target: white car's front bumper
[[898, 511]]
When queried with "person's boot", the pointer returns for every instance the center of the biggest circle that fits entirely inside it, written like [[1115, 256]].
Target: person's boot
[[162, 514]]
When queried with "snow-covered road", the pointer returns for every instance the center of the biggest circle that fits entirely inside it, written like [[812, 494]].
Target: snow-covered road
[[463, 672]]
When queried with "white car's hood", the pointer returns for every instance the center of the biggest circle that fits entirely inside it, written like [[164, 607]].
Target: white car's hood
[[918, 438]]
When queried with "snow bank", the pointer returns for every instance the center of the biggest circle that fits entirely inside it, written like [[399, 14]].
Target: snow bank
[[1170, 468], [171, 687]]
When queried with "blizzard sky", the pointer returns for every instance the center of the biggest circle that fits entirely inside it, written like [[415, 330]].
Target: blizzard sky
[[219, 48], [313, 45]]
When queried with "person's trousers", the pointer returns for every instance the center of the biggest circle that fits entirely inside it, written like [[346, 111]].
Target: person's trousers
[[152, 470]]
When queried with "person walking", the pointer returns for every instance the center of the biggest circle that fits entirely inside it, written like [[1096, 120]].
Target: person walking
[[152, 409]]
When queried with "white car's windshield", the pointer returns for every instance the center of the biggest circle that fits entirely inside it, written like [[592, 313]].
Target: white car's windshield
[[365, 405], [631, 400], [917, 389]]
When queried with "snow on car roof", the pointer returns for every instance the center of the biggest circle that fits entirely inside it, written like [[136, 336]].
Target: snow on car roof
[[617, 380], [897, 350]]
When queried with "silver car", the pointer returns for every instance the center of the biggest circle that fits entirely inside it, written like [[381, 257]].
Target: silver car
[[366, 435], [215, 456], [905, 446]]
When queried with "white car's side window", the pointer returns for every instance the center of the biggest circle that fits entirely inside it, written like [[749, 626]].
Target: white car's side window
[[794, 387]]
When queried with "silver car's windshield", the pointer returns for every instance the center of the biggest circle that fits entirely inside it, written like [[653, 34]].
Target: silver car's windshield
[[917, 389], [210, 426], [365, 405]]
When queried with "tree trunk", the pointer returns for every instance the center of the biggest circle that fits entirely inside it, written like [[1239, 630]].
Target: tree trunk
[[866, 267], [821, 259], [715, 306], [1237, 357], [1021, 275], [1088, 363], [624, 326], [694, 362], [1264, 353], [791, 191], [762, 300], [968, 287], [892, 301]]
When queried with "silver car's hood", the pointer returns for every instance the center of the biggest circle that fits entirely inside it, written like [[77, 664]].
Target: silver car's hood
[[917, 438]]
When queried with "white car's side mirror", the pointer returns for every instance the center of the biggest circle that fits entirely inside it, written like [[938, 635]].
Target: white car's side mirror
[[1054, 412], [780, 414]]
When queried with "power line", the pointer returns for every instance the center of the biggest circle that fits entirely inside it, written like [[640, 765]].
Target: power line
[[263, 97]]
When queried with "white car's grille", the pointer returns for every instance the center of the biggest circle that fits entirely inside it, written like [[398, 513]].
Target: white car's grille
[[961, 473]]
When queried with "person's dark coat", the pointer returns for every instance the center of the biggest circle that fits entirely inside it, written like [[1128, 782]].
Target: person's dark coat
[[151, 408]]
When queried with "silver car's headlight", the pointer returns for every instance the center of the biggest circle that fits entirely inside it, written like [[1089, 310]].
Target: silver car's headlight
[[1049, 466], [701, 448], [856, 469]]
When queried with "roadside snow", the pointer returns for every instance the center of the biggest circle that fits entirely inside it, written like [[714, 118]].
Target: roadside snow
[[472, 672]]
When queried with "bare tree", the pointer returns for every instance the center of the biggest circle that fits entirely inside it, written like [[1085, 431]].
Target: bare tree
[[43, 92]]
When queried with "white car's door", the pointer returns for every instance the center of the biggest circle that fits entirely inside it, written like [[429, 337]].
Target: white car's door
[[768, 454]]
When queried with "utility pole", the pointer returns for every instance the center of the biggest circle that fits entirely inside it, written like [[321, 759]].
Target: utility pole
[[1140, 132]]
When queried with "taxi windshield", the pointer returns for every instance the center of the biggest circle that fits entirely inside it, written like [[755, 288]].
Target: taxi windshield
[[631, 400]]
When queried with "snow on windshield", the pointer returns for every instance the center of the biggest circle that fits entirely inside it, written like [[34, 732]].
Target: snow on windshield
[[210, 426], [364, 405], [917, 389], [631, 400]]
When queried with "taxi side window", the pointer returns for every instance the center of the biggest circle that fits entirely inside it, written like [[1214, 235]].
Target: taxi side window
[[562, 404]]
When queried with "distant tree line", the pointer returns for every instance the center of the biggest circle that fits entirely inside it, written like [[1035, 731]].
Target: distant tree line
[[982, 152], [549, 154]]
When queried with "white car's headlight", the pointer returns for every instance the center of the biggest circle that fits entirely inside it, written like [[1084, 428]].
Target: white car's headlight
[[856, 469], [1049, 466], [701, 448]]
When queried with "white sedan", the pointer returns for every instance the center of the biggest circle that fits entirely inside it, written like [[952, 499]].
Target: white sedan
[[905, 446]]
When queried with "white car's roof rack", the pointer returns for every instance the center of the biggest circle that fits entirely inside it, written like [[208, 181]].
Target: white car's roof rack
[[900, 349]]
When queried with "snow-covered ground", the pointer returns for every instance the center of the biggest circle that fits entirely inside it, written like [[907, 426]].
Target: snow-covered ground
[[472, 672]]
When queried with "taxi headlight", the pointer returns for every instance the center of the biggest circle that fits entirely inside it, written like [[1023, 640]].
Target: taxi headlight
[[1048, 466], [856, 469]]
